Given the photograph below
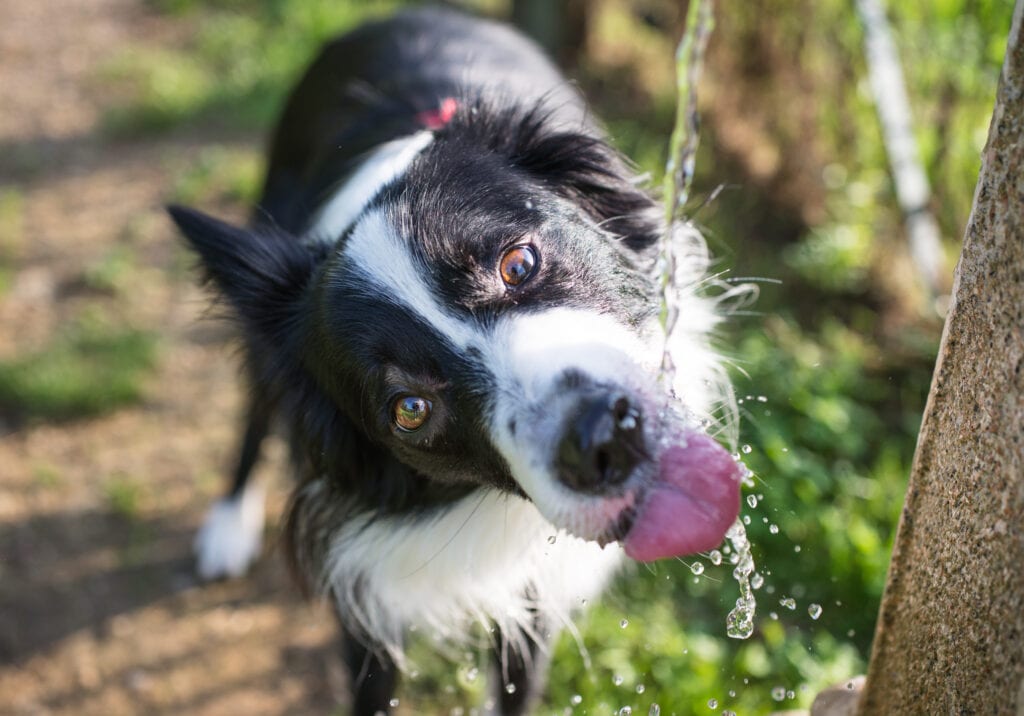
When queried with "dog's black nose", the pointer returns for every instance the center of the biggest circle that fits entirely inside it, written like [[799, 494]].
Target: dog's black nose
[[602, 443]]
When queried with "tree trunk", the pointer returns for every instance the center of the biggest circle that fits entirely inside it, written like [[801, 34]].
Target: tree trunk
[[950, 635]]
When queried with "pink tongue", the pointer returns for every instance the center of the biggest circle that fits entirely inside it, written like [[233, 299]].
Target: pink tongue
[[695, 500]]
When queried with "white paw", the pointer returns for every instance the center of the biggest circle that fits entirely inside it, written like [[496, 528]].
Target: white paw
[[231, 535]]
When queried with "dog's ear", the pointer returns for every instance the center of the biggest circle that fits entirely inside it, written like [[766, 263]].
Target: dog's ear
[[262, 272], [588, 172]]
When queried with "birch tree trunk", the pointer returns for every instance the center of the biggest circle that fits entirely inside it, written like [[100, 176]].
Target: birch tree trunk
[[950, 635]]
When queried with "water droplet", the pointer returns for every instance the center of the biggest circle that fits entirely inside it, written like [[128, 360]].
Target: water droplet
[[790, 694], [746, 519], [728, 713], [746, 449], [697, 568], [779, 693], [773, 615], [796, 548], [756, 580], [655, 710], [471, 674], [510, 688], [575, 699], [715, 556], [851, 633], [814, 610], [617, 680], [762, 398], [529, 204], [732, 694], [773, 528], [624, 623], [625, 711], [752, 501], [788, 602], [640, 688], [552, 539], [712, 703], [393, 703]]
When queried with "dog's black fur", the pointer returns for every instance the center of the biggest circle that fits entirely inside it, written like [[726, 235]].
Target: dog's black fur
[[327, 353]]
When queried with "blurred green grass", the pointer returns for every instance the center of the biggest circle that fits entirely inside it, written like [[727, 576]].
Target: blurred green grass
[[91, 367], [833, 370]]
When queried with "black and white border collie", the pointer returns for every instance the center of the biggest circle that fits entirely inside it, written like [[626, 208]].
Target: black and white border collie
[[448, 295]]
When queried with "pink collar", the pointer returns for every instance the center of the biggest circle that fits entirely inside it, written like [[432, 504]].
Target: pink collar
[[438, 118]]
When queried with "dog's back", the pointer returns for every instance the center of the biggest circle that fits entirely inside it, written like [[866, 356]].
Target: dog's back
[[381, 82]]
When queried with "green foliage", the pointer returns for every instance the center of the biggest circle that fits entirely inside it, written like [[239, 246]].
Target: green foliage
[[110, 272], [123, 496], [240, 59], [12, 232], [221, 173], [88, 369]]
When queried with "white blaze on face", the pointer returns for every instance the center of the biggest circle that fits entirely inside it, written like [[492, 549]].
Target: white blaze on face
[[530, 354], [377, 252]]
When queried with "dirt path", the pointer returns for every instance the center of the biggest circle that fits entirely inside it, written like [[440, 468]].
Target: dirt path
[[99, 611]]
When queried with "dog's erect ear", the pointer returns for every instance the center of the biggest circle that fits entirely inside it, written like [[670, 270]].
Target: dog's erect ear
[[262, 272]]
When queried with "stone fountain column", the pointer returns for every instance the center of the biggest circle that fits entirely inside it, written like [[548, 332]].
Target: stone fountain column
[[950, 634]]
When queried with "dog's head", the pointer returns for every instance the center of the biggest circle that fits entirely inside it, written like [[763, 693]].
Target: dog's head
[[490, 317]]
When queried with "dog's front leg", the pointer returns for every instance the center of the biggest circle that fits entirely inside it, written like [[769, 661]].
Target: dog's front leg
[[373, 678], [521, 669]]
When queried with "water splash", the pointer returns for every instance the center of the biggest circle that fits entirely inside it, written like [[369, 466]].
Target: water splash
[[739, 624]]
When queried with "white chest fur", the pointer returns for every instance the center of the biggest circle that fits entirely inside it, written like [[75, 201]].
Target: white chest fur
[[489, 558]]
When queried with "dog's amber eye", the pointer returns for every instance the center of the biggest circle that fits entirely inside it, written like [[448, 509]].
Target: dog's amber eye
[[411, 412], [518, 264]]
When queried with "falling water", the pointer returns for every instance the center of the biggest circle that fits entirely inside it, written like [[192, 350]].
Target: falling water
[[678, 179], [740, 622]]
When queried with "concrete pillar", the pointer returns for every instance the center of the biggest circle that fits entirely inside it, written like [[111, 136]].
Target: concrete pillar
[[950, 635]]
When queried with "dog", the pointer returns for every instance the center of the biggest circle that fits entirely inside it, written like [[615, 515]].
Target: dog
[[449, 296]]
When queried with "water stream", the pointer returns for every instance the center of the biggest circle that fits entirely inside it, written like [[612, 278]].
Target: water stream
[[678, 180]]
